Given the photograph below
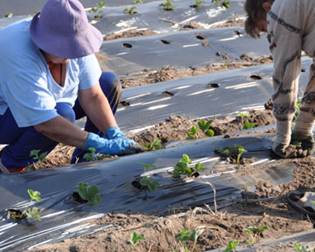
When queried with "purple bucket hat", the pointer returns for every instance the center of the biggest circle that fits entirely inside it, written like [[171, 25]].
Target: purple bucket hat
[[62, 29]]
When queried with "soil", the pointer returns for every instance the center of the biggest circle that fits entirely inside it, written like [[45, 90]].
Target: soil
[[136, 32], [269, 209], [173, 73], [240, 22]]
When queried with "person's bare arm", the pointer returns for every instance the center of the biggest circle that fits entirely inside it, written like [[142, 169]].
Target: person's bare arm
[[96, 106], [62, 131]]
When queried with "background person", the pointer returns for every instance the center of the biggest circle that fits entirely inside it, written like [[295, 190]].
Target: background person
[[291, 28]]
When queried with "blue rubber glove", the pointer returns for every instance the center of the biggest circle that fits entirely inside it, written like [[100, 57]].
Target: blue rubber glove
[[113, 133], [118, 146]]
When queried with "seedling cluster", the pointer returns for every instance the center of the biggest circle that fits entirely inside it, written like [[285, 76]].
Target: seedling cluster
[[255, 231], [156, 144], [146, 183], [232, 154], [298, 247], [184, 168], [203, 125], [247, 124], [189, 235], [87, 194], [131, 10]]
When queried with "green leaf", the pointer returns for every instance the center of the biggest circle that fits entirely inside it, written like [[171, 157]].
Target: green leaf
[[156, 144], [135, 238], [34, 195], [100, 5], [90, 155], [131, 10], [186, 235], [183, 167], [243, 115], [255, 230], [210, 133], [249, 125], [204, 125], [186, 159], [33, 213], [198, 3], [192, 133], [89, 193], [149, 183], [232, 246], [35, 154], [168, 5], [199, 167], [223, 3], [298, 247]]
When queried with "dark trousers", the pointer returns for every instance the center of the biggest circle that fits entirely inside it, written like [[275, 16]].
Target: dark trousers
[[21, 141]]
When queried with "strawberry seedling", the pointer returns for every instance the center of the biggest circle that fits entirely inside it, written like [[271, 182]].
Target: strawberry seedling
[[243, 115], [234, 154], [223, 3], [90, 155], [197, 5], [100, 5], [34, 195], [298, 247], [37, 156], [135, 238], [232, 246], [147, 183], [249, 125], [192, 133], [33, 213], [87, 194], [254, 231], [156, 144], [168, 5], [186, 235], [184, 167], [206, 127], [131, 10]]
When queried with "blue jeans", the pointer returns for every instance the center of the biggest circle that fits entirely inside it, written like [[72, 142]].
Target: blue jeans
[[21, 141]]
